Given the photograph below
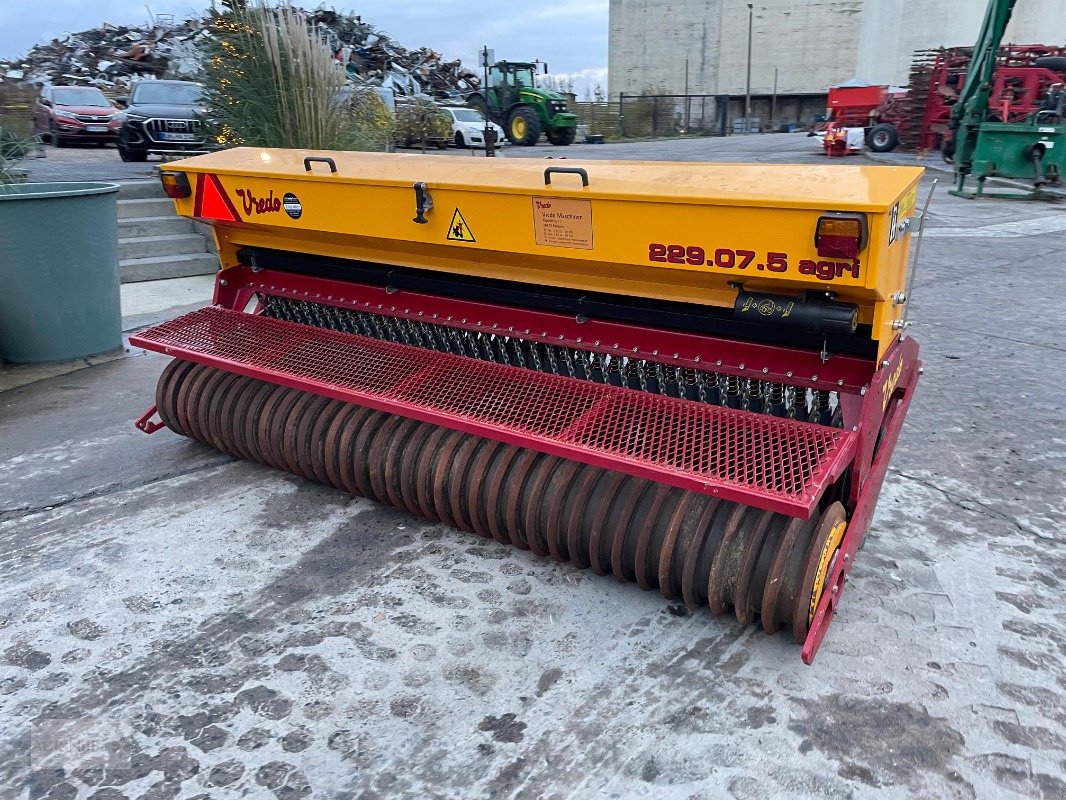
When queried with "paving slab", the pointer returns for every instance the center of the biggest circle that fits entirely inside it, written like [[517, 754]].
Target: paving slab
[[174, 623]]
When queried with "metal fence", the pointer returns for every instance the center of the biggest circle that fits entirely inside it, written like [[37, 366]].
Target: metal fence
[[645, 116], [651, 116]]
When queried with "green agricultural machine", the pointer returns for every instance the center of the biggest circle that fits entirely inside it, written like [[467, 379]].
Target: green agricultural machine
[[1032, 150], [513, 101]]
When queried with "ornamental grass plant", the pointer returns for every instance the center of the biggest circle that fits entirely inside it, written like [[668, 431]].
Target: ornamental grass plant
[[272, 81]]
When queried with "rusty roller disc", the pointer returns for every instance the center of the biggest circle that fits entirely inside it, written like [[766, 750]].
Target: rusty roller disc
[[353, 469], [499, 469], [601, 534], [673, 543], [533, 501], [276, 417], [318, 438], [476, 499], [249, 419], [216, 429], [358, 453], [564, 493], [229, 431], [514, 483], [642, 505], [427, 461], [169, 381], [651, 538], [188, 392], [396, 462], [415, 453], [438, 477], [577, 546], [776, 578], [453, 488], [705, 550], [302, 434], [292, 449], [725, 562], [747, 575], [331, 453]]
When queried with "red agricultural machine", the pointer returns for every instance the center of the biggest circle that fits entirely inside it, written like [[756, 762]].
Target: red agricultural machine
[[1024, 75], [919, 117], [690, 376]]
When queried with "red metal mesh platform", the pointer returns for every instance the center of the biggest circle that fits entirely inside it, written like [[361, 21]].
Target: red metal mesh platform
[[777, 464]]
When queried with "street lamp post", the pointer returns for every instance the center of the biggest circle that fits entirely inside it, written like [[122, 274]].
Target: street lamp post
[[747, 85]]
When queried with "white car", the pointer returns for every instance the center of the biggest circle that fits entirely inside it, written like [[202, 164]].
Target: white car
[[468, 127]]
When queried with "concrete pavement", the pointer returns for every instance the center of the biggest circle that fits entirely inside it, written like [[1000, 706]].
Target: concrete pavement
[[178, 624]]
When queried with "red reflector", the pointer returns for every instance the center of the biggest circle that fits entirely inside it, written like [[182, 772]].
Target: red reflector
[[838, 246], [212, 202], [175, 184]]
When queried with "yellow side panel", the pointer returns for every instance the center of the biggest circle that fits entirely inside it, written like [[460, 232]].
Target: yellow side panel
[[686, 232]]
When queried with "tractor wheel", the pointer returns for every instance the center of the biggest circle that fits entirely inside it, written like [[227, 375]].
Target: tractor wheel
[[478, 102], [562, 136], [883, 138], [523, 126]]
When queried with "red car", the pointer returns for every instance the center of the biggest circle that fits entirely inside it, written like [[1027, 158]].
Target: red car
[[76, 114]]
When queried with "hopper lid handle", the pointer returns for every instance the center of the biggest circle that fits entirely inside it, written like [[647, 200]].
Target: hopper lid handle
[[324, 160], [571, 170]]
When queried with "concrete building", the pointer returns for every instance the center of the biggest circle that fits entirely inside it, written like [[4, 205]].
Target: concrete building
[[701, 46], [892, 31]]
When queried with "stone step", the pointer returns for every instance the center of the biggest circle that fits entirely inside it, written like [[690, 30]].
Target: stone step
[[207, 232], [145, 207], [157, 268], [171, 244], [154, 226], [140, 190]]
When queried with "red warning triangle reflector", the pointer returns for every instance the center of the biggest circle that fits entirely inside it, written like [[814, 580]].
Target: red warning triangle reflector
[[211, 200]]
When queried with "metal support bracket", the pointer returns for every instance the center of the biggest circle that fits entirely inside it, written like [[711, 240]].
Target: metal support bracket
[[146, 424]]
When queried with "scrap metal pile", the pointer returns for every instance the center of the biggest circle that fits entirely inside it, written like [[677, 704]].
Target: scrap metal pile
[[113, 56], [690, 376]]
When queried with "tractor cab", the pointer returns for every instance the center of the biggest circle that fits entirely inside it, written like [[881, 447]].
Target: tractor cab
[[506, 80]]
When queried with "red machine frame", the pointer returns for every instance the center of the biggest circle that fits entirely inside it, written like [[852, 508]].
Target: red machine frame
[[1017, 90], [873, 397]]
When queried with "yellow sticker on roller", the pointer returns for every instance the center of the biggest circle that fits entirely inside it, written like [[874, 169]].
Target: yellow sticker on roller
[[458, 230], [832, 544], [559, 222]]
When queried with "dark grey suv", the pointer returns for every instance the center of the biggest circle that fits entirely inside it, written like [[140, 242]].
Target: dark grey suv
[[163, 118]]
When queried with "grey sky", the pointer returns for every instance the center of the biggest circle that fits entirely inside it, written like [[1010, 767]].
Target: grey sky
[[571, 35]]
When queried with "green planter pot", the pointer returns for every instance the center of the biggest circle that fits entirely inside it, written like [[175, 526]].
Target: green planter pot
[[59, 285]]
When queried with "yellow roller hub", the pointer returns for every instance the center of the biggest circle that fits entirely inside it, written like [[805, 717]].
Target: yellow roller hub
[[825, 558], [518, 127]]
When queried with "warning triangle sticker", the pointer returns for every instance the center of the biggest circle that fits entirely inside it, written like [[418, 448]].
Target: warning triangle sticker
[[211, 201], [458, 230]]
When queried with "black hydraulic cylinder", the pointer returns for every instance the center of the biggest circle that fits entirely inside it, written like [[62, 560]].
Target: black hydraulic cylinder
[[812, 311]]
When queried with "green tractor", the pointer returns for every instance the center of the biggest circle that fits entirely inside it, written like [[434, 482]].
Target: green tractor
[[514, 102]]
